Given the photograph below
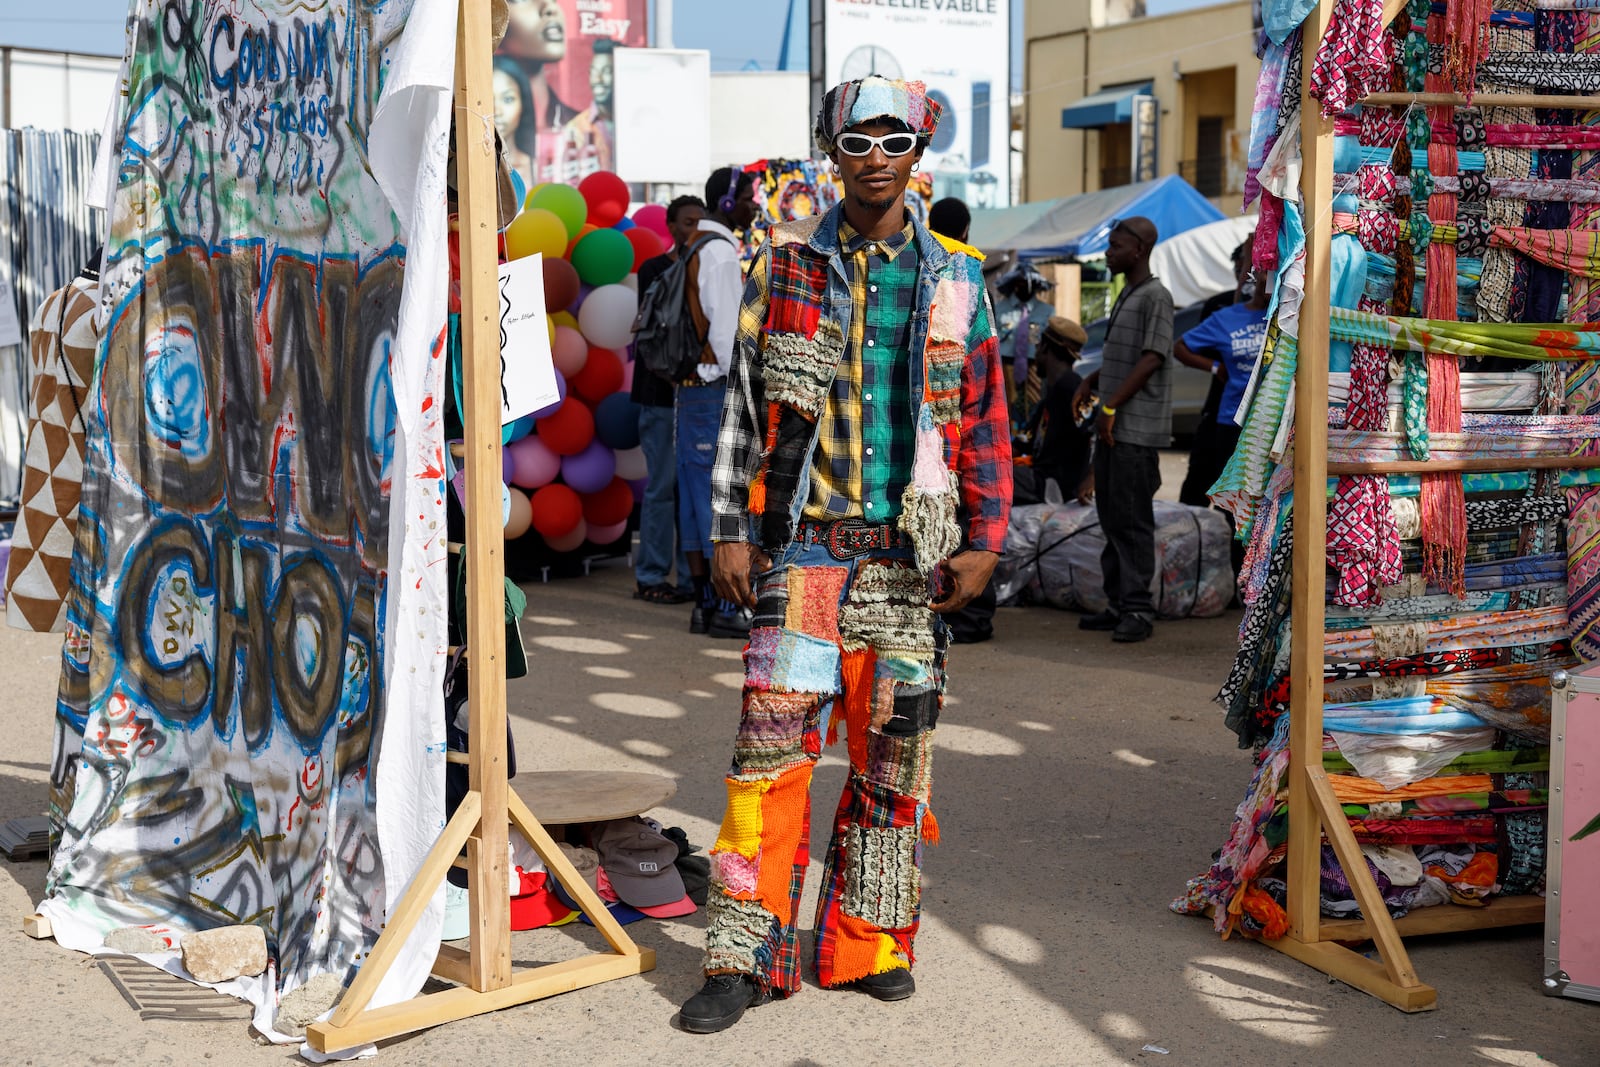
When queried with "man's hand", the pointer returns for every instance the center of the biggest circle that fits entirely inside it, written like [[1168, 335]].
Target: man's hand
[[965, 574], [734, 565], [1080, 396], [1103, 427], [1086, 489]]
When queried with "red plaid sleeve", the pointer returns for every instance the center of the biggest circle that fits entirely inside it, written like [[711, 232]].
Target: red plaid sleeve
[[983, 454]]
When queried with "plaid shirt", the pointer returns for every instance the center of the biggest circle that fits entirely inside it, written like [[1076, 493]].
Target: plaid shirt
[[787, 291], [864, 441]]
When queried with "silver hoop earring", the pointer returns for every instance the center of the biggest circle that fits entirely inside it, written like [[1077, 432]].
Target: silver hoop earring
[[914, 167], [836, 169]]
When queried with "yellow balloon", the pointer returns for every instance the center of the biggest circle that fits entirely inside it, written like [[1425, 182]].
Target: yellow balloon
[[550, 323], [536, 231], [564, 318], [528, 200]]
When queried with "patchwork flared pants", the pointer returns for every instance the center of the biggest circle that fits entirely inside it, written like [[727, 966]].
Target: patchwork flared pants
[[831, 641]]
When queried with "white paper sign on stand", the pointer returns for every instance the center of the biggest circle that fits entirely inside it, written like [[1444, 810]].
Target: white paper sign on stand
[[10, 326], [527, 370]]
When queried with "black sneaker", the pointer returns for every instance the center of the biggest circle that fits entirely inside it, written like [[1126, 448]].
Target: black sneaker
[[719, 1004], [698, 618], [1100, 620], [734, 623], [890, 985], [1132, 628]]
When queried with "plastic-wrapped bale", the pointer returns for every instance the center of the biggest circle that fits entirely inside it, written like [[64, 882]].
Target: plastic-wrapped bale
[[1053, 552]]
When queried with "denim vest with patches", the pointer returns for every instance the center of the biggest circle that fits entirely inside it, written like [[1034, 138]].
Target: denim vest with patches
[[803, 342]]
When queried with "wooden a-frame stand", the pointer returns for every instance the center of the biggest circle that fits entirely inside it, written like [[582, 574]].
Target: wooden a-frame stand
[[1313, 808], [484, 978]]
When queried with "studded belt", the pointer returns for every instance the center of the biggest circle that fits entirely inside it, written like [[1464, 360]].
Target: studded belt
[[849, 538]]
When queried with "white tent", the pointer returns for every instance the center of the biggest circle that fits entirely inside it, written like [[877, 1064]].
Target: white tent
[[1198, 263]]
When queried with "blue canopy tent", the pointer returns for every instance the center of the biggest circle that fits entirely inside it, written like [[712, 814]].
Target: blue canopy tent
[[1077, 226]]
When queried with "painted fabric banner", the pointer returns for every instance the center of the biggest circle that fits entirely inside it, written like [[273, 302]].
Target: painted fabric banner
[[249, 726]]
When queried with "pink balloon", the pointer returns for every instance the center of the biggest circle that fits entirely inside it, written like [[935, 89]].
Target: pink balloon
[[521, 515], [570, 540], [627, 376], [631, 464], [654, 217], [604, 535], [532, 463], [569, 350]]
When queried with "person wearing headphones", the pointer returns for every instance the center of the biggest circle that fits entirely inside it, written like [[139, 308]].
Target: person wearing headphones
[[714, 287]]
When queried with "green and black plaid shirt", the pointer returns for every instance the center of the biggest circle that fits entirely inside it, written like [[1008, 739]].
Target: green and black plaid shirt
[[866, 433]]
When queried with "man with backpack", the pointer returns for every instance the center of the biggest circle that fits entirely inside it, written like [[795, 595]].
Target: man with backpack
[[658, 518]]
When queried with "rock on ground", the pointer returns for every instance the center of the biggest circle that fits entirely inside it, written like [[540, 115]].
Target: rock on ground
[[306, 1003], [225, 953]]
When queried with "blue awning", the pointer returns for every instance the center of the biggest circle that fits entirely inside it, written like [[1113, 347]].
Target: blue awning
[[1105, 108], [1081, 225]]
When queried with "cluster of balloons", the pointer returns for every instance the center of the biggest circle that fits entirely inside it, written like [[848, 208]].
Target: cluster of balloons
[[575, 469]]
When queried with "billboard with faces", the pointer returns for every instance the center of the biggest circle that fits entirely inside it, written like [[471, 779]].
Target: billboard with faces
[[962, 50], [553, 82]]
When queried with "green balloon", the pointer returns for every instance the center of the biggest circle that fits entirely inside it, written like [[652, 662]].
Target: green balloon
[[603, 258], [565, 202]]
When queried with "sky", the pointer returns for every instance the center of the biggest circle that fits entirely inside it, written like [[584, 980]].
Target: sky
[[754, 38]]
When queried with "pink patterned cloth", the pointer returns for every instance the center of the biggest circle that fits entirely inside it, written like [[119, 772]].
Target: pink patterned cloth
[[1363, 540], [1353, 59]]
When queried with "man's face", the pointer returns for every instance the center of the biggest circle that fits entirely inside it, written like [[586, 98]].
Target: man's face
[[507, 105], [1123, 251], [746, 209], [601, 80], [876, 180], [538, 30], [684, 226]]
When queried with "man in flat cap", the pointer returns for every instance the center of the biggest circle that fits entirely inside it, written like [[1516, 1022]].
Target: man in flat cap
[[861, 492]]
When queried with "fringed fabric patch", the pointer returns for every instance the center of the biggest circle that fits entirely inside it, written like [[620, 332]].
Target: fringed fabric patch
[[799, 369], [814, 600], [929, 519], [887, 609], [793, 662], [772, 734], [735, 932], [945, 361], [882, 885], [903, 764]]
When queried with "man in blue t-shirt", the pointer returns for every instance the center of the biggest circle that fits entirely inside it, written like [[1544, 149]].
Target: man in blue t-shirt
[[1227, 344]]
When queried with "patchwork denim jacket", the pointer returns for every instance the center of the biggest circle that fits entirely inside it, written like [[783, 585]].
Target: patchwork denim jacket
[[792, 334]]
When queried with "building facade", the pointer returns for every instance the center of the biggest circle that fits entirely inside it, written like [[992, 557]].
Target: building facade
[[1114, 97]]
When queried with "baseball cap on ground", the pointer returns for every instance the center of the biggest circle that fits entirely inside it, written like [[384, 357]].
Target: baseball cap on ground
[[639, 862]]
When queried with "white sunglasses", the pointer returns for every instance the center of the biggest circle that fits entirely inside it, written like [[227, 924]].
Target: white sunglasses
[[859, 144]]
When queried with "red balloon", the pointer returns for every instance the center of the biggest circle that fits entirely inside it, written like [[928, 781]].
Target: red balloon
[[609, 506], [607, 197], [600, 377], [646, 245], [560, 285], [568, 430], [557, 510]]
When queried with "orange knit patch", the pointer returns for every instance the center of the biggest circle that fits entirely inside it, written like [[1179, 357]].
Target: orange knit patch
[[782, 815], [861, 949], [858, 669]]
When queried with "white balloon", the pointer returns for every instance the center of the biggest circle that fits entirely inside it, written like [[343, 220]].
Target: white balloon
[[630, 464], [632, 282], [606, 318]]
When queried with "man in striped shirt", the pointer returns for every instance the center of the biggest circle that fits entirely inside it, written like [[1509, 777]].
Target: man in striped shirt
[[861, 491]]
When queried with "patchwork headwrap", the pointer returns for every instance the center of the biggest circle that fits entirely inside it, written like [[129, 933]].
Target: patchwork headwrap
[[868, 99]]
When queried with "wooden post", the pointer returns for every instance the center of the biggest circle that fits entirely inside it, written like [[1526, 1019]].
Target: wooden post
[[485, 559], [1309, 584]]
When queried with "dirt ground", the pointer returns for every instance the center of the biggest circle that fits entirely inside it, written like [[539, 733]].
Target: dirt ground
[[1078, 784]]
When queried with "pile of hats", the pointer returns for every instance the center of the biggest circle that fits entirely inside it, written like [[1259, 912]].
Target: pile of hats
[[635, 865]]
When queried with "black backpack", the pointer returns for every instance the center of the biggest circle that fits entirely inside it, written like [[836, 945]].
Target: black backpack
[[665, 341]]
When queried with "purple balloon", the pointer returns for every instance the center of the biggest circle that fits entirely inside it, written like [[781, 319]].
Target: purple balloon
[[561, 394], [590, 470], [584, 289], [638, 486], [505, 465]]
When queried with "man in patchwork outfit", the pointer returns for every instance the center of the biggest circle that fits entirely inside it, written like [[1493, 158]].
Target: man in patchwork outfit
[[861, 491]]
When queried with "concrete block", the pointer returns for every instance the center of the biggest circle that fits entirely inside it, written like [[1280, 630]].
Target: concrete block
[[225, 953]]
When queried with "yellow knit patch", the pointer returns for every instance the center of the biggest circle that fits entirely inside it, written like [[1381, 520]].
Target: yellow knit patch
[[741, 824], [886, 957]]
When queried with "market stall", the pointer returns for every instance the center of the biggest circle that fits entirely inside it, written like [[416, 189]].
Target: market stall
[[1414, 476]]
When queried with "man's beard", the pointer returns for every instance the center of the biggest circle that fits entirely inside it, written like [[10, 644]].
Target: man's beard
[[875, 205]]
